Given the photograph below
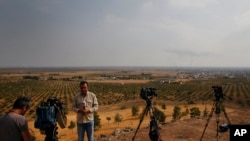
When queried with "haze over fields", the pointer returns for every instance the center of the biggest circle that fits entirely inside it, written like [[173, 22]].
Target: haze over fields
[[59, 33]]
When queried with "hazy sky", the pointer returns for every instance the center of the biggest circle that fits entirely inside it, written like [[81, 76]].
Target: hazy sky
[[65, 33]]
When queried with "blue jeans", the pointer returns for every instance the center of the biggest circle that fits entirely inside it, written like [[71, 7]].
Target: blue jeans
[[88, 127]]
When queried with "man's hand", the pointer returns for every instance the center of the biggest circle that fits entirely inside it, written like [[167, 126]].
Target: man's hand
[[33, 138], [84, 111]]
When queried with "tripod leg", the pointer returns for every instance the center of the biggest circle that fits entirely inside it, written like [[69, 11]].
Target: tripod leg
[[225, 113], [210, 115], [217, 111], [217, 121], [51, 133], [154, 132], [144, 112]]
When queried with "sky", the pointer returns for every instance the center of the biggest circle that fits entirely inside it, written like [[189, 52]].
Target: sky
[[80, 33]]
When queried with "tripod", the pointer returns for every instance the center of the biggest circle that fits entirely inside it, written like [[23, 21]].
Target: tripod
[[51, 133], [217, 108], [154, 133]]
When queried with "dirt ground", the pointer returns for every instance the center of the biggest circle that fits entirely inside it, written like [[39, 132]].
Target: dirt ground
[[184, 130]]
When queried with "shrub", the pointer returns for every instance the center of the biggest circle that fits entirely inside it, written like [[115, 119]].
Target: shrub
[[177, 113], [135, 111], [159, 115], [97, 121], [195, 112]]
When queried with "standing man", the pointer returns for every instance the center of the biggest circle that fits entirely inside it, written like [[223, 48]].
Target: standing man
[[14, 125], [84, 104]]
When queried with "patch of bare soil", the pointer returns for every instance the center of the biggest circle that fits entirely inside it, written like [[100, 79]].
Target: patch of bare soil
[[184, 130]]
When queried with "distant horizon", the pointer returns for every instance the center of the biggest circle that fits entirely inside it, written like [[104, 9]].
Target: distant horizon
[[115, 67]]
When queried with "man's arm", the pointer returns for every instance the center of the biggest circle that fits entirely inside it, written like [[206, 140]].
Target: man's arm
[[74, 105], [27, 135], [95, 105]]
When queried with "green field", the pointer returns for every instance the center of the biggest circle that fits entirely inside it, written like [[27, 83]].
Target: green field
[[189, 92]]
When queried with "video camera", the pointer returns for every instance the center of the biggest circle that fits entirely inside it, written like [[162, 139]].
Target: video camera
[[218, 93], [147, 93], [47, 116]]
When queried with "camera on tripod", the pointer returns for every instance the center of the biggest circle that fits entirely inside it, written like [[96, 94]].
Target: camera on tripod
[[147, 93], [47, 116], [218, 93], [154, 133]]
